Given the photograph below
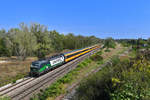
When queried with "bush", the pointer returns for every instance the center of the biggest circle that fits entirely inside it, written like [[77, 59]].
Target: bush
[[95, 87], [14, 81], [109, 43], [66, 79], [107, 50], [118, 80], [115, 60], [97, 57]]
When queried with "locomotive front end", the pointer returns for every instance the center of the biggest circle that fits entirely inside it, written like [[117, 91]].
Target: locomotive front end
[[34, 68]]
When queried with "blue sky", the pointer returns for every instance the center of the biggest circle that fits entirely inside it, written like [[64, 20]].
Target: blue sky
[[102, 18]]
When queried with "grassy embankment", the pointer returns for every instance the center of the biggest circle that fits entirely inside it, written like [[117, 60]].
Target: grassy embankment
[[126, 79], [59, 87]]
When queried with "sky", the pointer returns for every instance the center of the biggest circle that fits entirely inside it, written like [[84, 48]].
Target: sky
[[102, 18]]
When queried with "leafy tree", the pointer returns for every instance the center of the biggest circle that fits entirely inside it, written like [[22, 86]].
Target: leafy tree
[[93, 40], [109, 43], [29, 39], [4, 51], [56, 40], [22, 41], [11, 43], [37, 40], [69, 41], [42, 39], [148, 41], [140, 43]]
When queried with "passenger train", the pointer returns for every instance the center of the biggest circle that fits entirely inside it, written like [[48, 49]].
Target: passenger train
[[42, 66]]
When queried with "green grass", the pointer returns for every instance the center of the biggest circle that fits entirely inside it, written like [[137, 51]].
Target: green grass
[[5, 98]]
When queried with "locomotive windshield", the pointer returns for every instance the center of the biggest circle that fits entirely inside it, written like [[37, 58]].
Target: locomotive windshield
[[38, 64], [35, 64]]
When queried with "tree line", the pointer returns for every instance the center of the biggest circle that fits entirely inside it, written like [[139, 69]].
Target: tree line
[[135, 43], [37, 40]]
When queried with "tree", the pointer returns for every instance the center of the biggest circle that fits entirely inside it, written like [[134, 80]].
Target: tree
[[42, 39], [148, 42], [69, 41], [109, 43], [80, 40], [56, 40], [4, 51], [22, 41], [37, 40], [29, 43], [93, 40]]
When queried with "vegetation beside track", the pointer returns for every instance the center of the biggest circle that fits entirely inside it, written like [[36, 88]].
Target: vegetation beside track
[[126, 79], [60, 86], [5, 98]]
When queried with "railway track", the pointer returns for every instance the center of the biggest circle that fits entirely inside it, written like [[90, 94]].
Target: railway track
[[14, 86], [25, 89], [11, 85]]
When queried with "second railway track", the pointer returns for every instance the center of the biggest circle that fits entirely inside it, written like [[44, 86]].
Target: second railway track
[[15, 86]]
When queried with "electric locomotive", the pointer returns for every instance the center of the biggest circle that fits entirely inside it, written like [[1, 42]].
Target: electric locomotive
[[42, 66]]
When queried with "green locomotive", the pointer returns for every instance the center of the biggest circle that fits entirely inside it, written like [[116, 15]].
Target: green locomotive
[[41, 66]]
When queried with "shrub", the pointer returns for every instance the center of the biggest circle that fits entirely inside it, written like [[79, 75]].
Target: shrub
[[54, 90], [115, 60], [96, 57], [95, 87], [118, 80], [14, 81], [4, 98], [107, 50], [66, 79]]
